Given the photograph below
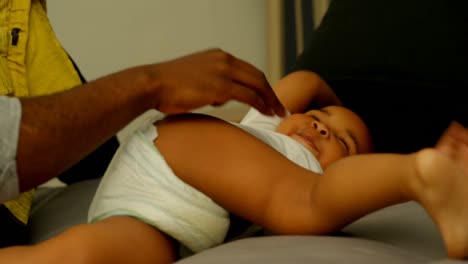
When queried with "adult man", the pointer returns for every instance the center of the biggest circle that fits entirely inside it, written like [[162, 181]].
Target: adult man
[[46, 127]]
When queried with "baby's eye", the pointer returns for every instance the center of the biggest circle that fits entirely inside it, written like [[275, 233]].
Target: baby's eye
[[314, 117], [344, 144]]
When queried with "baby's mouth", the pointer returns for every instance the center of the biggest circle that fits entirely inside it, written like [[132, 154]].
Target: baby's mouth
[[306, 140]]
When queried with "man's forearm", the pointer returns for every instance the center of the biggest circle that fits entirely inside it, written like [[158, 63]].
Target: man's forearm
[[58, 130], [65, 127]]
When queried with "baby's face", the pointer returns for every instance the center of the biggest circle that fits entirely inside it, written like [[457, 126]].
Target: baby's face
[[330, 133]]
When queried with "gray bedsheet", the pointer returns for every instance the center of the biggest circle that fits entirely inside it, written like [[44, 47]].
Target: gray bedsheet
[[398, 234]]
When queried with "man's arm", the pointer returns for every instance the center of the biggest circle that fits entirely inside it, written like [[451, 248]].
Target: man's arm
[[58, 130]]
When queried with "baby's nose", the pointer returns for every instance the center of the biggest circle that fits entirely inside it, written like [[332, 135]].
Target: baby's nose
[[321, 128]]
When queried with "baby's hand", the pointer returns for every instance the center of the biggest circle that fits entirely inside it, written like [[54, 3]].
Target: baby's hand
[[454, 144]]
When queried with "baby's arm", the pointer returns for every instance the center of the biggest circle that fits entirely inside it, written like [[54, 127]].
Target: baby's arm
[[298, 90]]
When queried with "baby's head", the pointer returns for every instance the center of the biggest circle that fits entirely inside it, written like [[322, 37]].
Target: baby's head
[[330, 133]]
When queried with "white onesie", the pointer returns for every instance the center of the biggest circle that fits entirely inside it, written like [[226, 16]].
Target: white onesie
[[139, 183]]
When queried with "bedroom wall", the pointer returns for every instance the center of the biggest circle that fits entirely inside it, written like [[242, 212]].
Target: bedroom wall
[[108, 35], [290, 25]]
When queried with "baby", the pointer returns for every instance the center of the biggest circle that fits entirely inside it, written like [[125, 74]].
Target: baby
[[296, 175]]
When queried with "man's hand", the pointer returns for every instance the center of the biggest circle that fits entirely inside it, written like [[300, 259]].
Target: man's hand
[[210, 77]]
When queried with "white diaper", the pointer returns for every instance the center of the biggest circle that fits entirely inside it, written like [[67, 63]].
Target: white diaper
[[139, 183]]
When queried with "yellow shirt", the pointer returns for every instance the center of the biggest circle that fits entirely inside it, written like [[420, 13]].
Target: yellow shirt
[[32, 62]]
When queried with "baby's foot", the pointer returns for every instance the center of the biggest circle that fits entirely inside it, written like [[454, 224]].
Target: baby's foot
[[443, 189], [454, 144]]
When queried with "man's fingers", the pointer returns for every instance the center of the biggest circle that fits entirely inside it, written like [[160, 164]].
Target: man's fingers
[[208, 78], [243, 73], [252, 78], [242, 94]]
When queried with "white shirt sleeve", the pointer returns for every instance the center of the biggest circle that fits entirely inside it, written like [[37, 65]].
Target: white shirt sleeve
[[10, 118]]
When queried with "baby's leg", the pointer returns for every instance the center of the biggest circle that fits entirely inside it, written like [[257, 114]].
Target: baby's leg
[[114, 240], [442, 187], [437, 178]]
